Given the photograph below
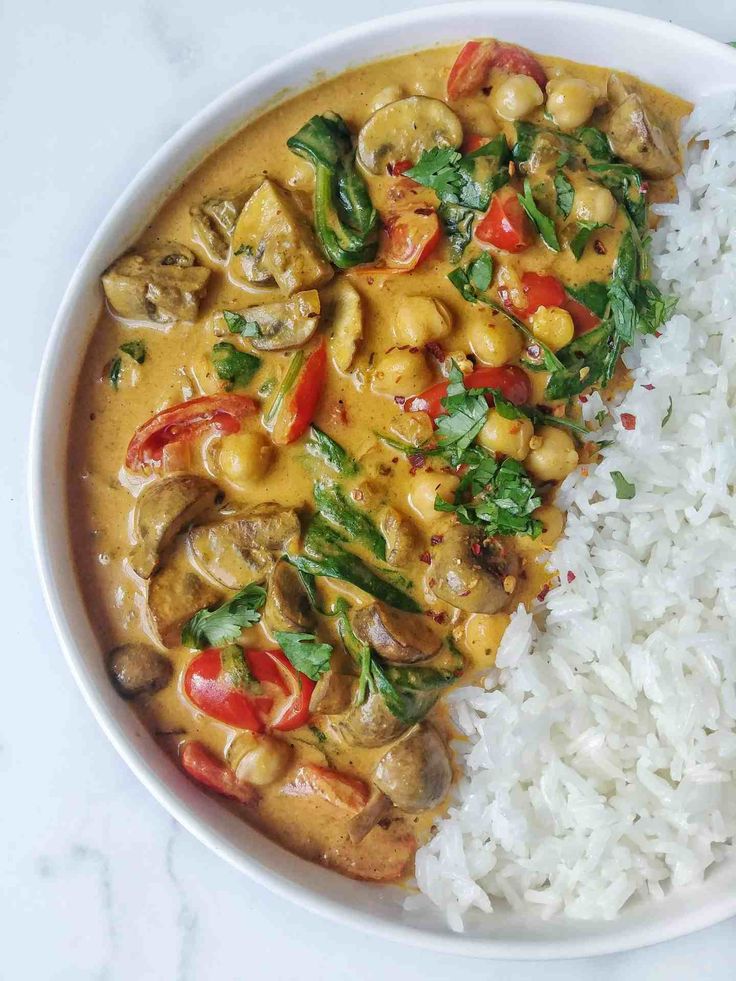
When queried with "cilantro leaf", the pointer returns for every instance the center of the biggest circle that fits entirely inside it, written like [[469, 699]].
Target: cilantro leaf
[[223, 625], [667, 415], [565, 194], [135, 349], [234, 367], [595, 141], [592, 295], [503, 499], [437, 169], [116, 368], [467, 411], [544, 225], [305, 652], [238, 324], [582, 236], [625, 490]]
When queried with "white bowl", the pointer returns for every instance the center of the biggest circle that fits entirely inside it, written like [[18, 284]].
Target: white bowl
[[679, 60]]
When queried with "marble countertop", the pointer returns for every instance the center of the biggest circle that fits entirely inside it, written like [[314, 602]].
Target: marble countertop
[[96, 880]]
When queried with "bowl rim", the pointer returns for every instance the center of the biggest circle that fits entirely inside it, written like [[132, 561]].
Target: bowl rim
[[169, 156]]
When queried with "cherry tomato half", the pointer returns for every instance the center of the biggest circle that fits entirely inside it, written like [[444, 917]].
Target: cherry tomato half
[[301, 402], [412, 234], [511, 382], [539, 291], [505, 225], [208, 685], [297, 686], [477, 58], [205, 768], [185, 422], [583, 318]]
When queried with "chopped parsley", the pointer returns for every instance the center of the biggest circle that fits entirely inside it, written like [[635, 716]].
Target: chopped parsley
[[305, 652], [624, 489], [223, 625], [668, 414], [238, 324]]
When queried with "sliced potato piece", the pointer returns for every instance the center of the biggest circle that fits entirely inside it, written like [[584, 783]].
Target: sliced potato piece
[[162, 510], [402, 130], [342, 314], [160, 284], [285, 325], [273, 240], [175, 594]]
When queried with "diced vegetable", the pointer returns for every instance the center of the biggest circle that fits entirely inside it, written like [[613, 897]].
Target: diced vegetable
[[506, 225], [347, 793], [299, 401], [205, 768]]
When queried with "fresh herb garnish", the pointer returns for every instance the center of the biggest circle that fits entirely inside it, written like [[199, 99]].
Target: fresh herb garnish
[[467, 411], [347, 567], [544, 225], [624, 182], [565, 194], [331, 453], [582, 236], [595, 141], [592, 295], [238, 324], [234, 367], [333, 506], [668, 414], [135, 349], [320, 736], [305, 652], [238, 670], [624, 489], [244, 249], [116, 368], [223, 625]]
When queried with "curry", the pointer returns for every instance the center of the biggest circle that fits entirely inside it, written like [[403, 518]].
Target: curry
[[322, 420]]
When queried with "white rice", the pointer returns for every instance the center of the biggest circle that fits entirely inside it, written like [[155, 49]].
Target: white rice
[[600, 756]]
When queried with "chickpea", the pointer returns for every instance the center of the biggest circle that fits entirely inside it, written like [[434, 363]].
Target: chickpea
[[427, 486], [480, 636], [401, 373], [538, 381], [420, 319], [553, 523], [594, 203], [554, 457], [570, 101], [552, 326], [245, 457], [516, 97], [412, 427], [508, 436], [265, 762], [494, 343]]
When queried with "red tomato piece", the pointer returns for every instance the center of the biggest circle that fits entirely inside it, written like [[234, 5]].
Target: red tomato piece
[[301, 402], [205, 768], [511, 382], [474, 141], [296, 711], [184, 423], [264, 665], [505, 225], [476, 59], [410, 236], [583, 318], [399, 168], [208, 687], [539, 291], [346, 792]]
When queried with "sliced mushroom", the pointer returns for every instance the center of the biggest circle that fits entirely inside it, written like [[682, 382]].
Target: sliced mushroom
[[333, 693], [636, 137], [415, 774], [471, 572], [398, 530], [399, 637], [162, 510], [242, 548], [273, 240], [377, 808], [161, 284], [213, 224], [284, 325], [372, 723], [287, 603], [342, 315], [175, 594], [138, 669], [402, 130]]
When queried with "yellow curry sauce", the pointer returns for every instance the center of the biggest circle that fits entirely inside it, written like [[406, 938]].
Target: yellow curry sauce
[[408, 327]]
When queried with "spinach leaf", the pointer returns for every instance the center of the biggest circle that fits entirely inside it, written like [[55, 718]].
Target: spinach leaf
[[457, 224], [333, 506], [234, 367], [237, 669], [544, 225], [582, 236], [349, 568], [595, 141], [592, 295], [135, 349], [215, 628], [565, 193], [585, 361], [327, 449], [305, 652]]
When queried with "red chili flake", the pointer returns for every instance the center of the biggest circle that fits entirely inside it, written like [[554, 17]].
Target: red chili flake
[[571, 577], [542, 594], [357, 494], [436, 539], [394, 459], [649, 388], [426, 558], [340, 413], [416, 461], [370, 280], [399, 399], [424, 211], [583, 398], [644, 187], [436, 350], [599, 247], [413, 350], [437, 616], [628, 421], [475, 548], [658, 333]]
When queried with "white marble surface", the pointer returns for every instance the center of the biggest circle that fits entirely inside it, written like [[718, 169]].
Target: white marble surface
[[96, 881]]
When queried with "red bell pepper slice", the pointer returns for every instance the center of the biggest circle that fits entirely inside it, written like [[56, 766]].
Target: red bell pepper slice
[[511, 382], [185, 422], [205, 768], [300, 403], [476, 59], [505, 225], [208, 686]]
